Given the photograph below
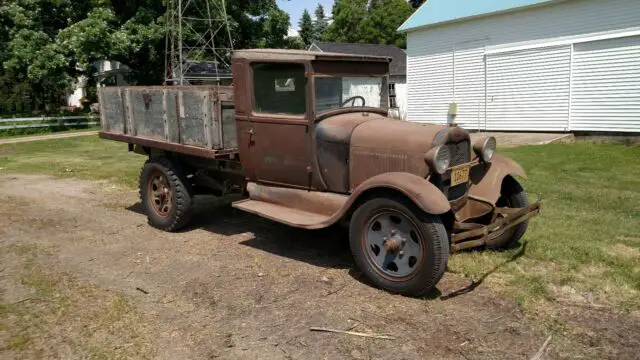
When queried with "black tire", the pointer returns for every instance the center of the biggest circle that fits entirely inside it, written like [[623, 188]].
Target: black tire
[[432, 236], [513, 196], [181, 208]]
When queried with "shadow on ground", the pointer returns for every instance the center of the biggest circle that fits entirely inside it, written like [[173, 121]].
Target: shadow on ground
[[327, 248], [475, 283]]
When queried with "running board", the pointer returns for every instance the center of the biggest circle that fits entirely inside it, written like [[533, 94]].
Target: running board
[[294, 207], [282, 214]]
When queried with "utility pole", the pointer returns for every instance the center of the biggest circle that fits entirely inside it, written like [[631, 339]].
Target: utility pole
[[198, 42]]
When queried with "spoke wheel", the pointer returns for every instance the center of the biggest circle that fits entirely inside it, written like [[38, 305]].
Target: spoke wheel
[[513, 196], [397, 246], [161, 196], [166, 194], [392, 244]]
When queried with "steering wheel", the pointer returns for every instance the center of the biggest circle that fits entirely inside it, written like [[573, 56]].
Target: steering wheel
[[353, 101]]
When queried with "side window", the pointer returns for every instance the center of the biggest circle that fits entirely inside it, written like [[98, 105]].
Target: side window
[[279, 88]]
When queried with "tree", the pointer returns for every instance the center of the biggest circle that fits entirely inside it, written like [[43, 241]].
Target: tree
[[320, 24], [347, 16], [416, 3], [275, 29], [382, 21], [45, 45], [294, 42], [364, 21], [307, 31], [35, 71]]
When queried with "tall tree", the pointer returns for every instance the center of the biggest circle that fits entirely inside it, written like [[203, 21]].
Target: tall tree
[[347, 16], [416, 3], [320, 24], [369, 21], [46, 44], [382, 21], [275, 29], [307, 31]]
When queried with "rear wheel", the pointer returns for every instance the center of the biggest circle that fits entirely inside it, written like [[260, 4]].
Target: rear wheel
[[165, 194], [399, 248], [512, 195]]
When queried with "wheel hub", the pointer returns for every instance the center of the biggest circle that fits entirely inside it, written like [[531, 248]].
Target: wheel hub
[[393, 244], [160, 194]]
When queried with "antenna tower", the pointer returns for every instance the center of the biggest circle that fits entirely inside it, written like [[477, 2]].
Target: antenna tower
[[198, 42]]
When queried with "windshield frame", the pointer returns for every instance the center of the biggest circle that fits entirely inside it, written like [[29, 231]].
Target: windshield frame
[[383, 109]]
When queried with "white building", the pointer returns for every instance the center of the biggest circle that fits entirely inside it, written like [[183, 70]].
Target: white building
[[525, 65], [109, 73]]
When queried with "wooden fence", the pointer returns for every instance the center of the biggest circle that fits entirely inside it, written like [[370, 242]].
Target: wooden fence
[[44, 121]]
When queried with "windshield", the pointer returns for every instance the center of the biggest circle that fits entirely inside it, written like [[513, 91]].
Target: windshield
[[349, 91]]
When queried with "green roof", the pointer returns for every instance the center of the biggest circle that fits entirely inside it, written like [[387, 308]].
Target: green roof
[[435, 12]]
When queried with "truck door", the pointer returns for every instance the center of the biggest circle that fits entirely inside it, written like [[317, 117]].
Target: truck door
[[278, 125]]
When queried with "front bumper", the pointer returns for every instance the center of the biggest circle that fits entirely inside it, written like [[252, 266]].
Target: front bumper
[[467, 235]]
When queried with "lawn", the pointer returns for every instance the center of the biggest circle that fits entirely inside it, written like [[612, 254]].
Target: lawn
[[583, 249], [86, 157]]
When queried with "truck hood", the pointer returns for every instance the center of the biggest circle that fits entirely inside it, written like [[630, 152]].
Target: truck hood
[[383, 145], [384, 134], [371, 130]]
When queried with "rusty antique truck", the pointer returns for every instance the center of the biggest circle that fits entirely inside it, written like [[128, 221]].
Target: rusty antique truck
[[305, 138]]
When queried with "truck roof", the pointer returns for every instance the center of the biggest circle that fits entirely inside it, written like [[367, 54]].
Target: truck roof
[[298, 55]]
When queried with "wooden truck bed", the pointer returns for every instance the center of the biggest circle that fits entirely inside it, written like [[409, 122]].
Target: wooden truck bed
[[192, 120]]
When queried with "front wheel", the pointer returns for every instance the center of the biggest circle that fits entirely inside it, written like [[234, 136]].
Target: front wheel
[[165, 194], [512, 195], [398, 247]]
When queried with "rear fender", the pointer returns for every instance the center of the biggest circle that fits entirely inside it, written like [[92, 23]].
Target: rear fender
[[423, 193], [487, 178]]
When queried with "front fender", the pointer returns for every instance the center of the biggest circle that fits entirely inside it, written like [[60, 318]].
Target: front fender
[[423, 193], [486, 179]]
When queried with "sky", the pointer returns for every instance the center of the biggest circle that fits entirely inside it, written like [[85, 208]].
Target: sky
[[296, 7]]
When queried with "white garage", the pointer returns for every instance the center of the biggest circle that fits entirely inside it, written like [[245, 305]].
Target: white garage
[[525, 65]]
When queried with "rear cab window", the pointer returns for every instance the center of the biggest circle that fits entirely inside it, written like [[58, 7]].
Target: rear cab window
[[279, 88]]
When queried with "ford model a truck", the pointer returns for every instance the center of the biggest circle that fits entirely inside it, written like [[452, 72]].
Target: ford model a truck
[[305, 138]]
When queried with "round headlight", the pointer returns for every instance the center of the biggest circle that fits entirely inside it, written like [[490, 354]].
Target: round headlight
[[485, 148], [439, 159]]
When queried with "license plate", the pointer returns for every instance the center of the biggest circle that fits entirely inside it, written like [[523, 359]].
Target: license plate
[[459, 176]]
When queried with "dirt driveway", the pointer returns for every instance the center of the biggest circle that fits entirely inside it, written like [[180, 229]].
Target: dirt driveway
[[83, 276]]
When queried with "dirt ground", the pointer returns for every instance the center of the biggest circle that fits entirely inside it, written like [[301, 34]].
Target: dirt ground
[[82, 275]]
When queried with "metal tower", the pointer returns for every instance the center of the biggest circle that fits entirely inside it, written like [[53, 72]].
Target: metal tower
[[198, 42]]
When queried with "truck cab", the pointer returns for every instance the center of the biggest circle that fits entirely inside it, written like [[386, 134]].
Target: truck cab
[[296, 110]]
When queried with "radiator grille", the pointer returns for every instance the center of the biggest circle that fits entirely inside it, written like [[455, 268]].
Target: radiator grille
[[459, 152]]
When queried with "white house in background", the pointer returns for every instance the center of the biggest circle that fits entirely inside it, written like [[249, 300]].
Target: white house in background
[[108, 73], [526, 65], [397, 68]]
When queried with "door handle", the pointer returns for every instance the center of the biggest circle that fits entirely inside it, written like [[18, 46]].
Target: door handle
[[250, 131]]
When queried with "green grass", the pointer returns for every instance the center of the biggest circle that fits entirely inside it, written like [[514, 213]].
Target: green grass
[[86, 157], [586, 242]]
